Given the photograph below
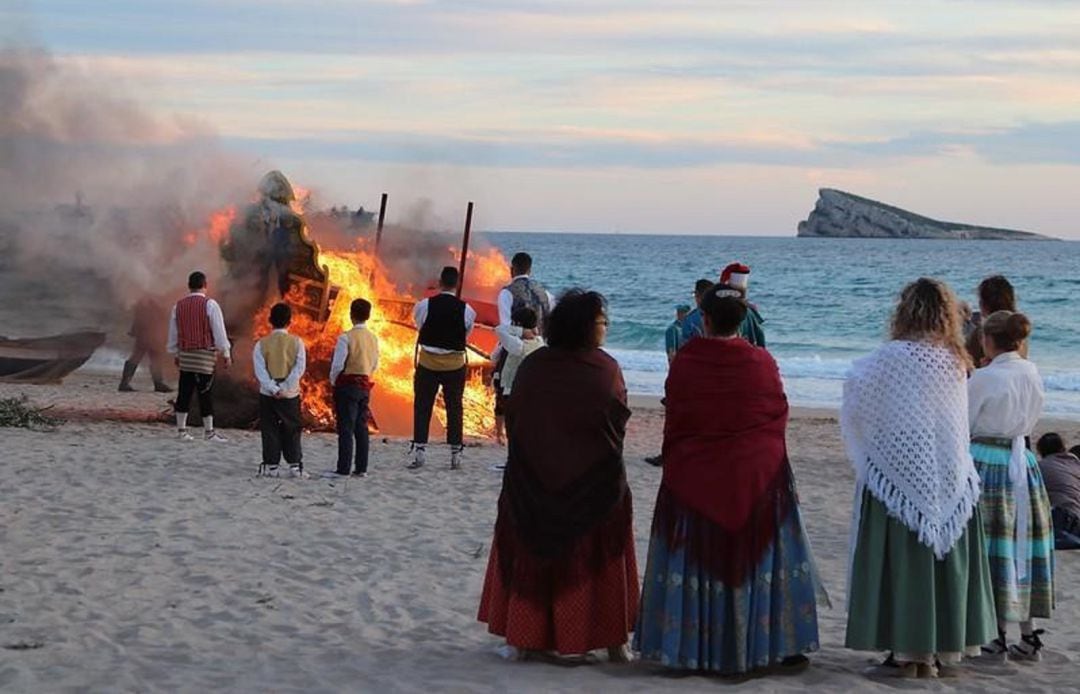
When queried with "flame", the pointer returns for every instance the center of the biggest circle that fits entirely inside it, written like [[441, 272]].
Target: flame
[[359, 275], [216, 229], [302, 197], [220, 221]]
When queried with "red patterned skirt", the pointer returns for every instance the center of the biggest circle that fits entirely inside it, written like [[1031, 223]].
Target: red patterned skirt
[[597, 611]]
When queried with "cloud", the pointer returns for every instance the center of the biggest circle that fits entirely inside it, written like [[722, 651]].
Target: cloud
[[571, 148]]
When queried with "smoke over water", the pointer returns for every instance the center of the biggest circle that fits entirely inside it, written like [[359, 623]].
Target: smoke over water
[[96, 197]]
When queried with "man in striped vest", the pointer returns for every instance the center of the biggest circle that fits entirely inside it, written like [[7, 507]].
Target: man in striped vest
[[444, 322], [356, 356], [197, 336], [280, 360]]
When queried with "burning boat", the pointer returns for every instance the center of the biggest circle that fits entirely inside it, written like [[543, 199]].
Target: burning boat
[[270, 257]]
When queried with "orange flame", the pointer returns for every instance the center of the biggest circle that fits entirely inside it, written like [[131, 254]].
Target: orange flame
[[359, 275]]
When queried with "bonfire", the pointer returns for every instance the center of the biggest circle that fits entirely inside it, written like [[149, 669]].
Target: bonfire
[[271, 257]]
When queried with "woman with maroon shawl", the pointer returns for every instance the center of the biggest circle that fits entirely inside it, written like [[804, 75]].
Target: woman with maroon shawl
[[562, 576], [729, 585]]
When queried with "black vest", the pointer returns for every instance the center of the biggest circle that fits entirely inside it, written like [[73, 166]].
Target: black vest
[[444, 326]]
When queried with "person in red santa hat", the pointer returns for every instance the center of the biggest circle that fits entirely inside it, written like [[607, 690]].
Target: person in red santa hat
[[737, 276]]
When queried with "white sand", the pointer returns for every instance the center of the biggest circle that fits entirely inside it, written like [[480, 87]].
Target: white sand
[[137, 562]]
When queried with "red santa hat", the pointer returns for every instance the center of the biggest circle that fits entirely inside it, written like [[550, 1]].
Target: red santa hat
[[736, 275]]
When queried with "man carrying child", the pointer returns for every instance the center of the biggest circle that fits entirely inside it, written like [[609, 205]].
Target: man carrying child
[[518, 340], [280, 360]]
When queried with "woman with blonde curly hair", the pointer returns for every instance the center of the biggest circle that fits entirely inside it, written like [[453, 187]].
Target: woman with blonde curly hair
[[920, 582]]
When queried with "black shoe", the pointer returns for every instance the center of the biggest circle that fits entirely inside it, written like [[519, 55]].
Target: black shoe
[[655, 461], [162, 388]]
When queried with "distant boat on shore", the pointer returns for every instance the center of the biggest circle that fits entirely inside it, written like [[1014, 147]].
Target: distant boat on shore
[[46, 359]]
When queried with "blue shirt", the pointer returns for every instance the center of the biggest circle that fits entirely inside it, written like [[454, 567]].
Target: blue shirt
[[692, 326], [673, 337]]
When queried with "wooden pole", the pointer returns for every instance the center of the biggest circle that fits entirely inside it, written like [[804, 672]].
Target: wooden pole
[[464, 250], [378, 237]]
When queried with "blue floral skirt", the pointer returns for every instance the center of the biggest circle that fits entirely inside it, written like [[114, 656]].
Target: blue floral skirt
[[690, 620]]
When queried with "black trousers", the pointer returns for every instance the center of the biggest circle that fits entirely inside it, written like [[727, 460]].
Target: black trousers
[[279, 422], [351, 407], [426, 384], [190, 383]]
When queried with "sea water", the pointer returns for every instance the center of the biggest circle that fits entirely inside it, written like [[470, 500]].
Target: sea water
[[826, 302]]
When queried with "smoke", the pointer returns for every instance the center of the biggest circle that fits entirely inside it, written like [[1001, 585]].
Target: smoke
[[413, 250], [98, 196]]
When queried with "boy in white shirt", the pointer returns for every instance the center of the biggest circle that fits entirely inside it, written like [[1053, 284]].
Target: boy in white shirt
[[280, 360]]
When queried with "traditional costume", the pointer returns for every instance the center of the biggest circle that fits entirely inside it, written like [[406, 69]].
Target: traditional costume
[[752, 328], [445, 322], [1005, 401], [562, 574], [356, 356], [729, 586], [920, 581], [279, 360], [196, 337]]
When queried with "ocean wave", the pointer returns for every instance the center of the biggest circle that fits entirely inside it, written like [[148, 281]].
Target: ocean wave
[[1067, 382]]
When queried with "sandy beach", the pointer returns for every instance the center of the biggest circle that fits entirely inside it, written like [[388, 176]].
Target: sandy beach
[[134, 562]]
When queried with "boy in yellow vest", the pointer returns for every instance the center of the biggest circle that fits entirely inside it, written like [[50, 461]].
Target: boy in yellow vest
[[280, 360], [356, 356]]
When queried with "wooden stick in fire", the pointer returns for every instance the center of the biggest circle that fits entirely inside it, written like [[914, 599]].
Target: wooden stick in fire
[[464, 250], [378, 238]]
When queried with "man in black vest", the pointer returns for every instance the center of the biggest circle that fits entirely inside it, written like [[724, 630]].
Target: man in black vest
[[444, 322]]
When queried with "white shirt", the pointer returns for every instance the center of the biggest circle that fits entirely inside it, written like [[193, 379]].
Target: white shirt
[[506, 301], [1005, 397], [288, 388], [420, 315], [217, 327], [516, 349], [341, 354]]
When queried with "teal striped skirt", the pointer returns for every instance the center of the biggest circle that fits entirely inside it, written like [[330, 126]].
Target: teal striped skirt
[[1016, 599], [692, 620]]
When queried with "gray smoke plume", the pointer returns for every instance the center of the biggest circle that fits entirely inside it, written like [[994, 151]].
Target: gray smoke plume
[[101, 201]]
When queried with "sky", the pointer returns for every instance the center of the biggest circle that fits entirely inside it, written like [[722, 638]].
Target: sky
[[634, 116]]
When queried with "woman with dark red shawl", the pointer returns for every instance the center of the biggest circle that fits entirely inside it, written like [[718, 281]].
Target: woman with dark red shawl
[[562, 576], [729, 584]]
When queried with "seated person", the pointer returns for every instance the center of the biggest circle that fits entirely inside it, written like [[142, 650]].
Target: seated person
[[1061, 474]]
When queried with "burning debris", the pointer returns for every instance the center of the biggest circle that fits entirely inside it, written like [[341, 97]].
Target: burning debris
[[269, 257]]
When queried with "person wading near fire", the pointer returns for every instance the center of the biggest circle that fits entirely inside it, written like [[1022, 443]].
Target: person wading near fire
[[444, 322], [356, 356], [197, 337], [149, 329], [279, 360]]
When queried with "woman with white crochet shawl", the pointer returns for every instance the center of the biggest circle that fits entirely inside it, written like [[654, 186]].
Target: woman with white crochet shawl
[[1005, 401], [920, 581]]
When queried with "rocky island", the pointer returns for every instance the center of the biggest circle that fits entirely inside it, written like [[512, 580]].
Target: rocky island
[[842, 215]]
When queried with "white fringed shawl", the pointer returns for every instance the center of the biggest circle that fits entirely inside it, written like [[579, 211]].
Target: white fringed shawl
[[904, 420]]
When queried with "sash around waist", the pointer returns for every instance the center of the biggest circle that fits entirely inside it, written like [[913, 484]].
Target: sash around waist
[[996, 441]]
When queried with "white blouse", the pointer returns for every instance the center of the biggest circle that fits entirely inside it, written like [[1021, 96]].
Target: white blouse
[[1005, 397]]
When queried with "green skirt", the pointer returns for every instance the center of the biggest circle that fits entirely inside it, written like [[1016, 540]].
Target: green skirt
[[903, 599]]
